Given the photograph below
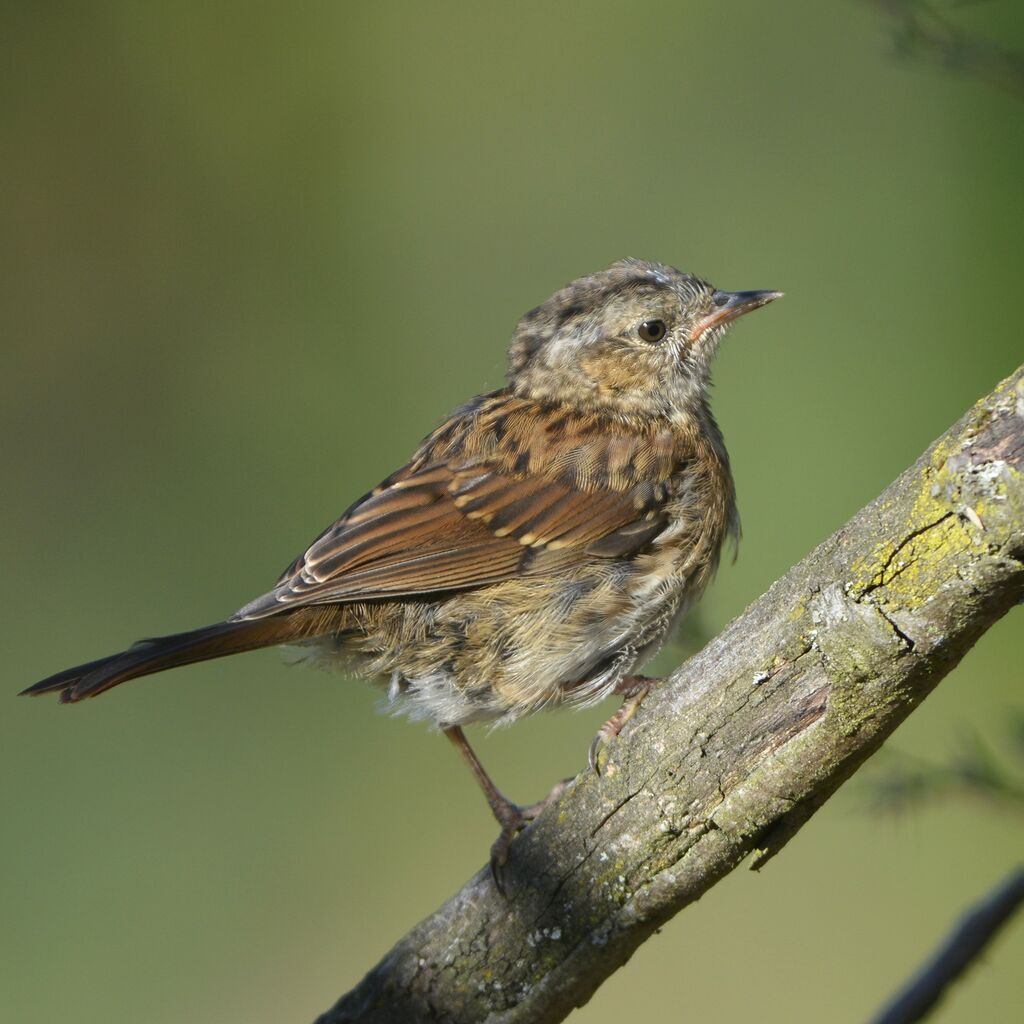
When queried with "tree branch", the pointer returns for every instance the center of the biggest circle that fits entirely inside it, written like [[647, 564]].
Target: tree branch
[[968, 940], [739, 748]]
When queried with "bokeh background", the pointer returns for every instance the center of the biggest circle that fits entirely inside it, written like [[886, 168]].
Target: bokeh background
[[250, 256]]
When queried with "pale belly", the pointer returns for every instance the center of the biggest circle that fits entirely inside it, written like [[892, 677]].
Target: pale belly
[[510, 649]]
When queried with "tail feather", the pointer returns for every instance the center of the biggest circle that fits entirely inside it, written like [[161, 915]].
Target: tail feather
[[159, 653]]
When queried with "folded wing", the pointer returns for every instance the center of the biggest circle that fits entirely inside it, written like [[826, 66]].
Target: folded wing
[[461, 524]]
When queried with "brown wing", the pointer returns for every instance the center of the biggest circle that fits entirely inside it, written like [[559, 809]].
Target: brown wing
[[540, 512], [460, 524]]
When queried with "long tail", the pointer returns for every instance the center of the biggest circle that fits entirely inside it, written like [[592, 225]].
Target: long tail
[[159, 653]]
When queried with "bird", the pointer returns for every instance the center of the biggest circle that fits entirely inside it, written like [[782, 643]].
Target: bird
[[539, 545]]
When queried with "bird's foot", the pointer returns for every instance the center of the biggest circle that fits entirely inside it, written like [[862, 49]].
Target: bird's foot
[[633, 690], [513, 819]]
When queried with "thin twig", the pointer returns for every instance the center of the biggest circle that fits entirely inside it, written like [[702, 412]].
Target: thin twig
[[903, 780], [965, 943], [923, 33]]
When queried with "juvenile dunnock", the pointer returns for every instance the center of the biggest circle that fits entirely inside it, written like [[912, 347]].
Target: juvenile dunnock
[[539, 544]]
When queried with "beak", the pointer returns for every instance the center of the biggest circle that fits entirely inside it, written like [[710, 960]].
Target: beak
[[730, 305]]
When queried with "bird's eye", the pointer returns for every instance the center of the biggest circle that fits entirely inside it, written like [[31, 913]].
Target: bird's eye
[[652, 330]]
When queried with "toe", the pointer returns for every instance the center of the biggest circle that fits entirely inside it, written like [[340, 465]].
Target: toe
[[499, 853], [594, 751], [513, 820]]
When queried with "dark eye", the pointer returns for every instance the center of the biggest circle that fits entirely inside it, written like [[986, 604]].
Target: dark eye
[[652, 330]]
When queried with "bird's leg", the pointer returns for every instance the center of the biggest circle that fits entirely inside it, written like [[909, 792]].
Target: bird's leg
[[511, 817], [633, 690]]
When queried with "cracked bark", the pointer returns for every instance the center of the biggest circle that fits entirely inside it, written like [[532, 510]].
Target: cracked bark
[[738, 749]]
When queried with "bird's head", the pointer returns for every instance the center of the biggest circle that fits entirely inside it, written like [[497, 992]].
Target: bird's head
[[633, 340]]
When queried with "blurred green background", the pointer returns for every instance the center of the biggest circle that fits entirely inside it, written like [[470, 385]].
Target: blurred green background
[[250, 256]]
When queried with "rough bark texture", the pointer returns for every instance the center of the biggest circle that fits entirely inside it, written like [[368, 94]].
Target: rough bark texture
[[739, 748]]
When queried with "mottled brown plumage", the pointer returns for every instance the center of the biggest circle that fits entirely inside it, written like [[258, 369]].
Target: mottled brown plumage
[[539, 544]]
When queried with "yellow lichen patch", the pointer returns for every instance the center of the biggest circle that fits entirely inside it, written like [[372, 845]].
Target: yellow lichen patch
[[909, 581], [904, 574], [1012, 495], [798, 612]]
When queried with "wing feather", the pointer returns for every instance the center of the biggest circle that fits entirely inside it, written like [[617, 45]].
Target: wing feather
[[459, 522]]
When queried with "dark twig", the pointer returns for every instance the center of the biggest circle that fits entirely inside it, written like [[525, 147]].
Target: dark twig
[[965, 943]]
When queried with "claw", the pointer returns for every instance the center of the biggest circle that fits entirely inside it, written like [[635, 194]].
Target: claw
[[635, 688], [513, 820], [597, 744], [499, 852]]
